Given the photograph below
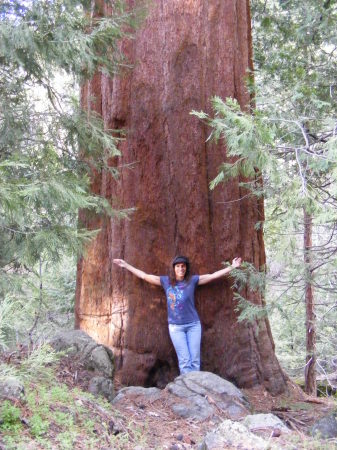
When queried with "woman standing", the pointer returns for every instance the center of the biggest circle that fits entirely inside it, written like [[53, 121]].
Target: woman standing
[[183, 319]]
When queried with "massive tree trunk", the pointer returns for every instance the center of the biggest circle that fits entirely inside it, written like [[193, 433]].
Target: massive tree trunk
[[185, 53]]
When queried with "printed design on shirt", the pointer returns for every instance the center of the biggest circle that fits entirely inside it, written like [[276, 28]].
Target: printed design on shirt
[[175, 298]]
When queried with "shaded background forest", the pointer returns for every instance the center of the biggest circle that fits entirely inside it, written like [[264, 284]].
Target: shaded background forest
[[289, 141]]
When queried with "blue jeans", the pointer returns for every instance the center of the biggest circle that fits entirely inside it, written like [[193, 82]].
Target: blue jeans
[[186, 340]]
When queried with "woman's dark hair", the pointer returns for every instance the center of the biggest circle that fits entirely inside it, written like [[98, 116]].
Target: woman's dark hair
[[179, 259]]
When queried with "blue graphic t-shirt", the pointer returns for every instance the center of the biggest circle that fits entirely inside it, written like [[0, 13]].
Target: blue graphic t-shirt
[[180, 300]]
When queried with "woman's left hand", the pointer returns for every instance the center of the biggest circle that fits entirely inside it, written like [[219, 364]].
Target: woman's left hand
[[236, 263]]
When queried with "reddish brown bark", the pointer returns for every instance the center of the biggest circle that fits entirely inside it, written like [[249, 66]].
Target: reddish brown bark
[[310, 323], [185, 53]]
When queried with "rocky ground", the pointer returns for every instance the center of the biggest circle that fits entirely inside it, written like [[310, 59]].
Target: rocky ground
[[156, 426], [55, 412]]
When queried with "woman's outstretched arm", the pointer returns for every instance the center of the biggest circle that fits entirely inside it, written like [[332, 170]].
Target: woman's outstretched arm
[[204, 279], [152, 279]]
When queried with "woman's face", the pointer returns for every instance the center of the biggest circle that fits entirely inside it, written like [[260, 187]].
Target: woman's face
[[180, 271]]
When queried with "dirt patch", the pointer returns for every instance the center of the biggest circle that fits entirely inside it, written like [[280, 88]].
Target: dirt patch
[[297, 409]]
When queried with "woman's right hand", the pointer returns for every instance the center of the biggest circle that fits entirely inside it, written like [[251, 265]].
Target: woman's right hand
[[119, 262], [152, 279]]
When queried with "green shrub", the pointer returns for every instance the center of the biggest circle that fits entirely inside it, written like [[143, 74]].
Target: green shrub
[[38, 426], [10, 417]]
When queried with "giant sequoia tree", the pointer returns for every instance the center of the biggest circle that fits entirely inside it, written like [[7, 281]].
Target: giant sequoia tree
[[184, 53]]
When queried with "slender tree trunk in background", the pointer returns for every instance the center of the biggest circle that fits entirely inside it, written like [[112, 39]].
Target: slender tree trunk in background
[[310, 323], [185, 53]]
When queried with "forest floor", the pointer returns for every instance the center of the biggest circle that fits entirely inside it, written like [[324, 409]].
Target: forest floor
[[59, 414]]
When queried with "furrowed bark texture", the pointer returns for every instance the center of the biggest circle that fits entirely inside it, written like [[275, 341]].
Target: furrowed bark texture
[[310, 322], [186, 52]]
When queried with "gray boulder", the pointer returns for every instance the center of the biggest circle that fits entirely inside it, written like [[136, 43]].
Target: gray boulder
[[73, 341], [93, 355], [102, 386], [99, 359], [264, 422], [325, 428], [133, 391], [233, 435], [200, 395], [11, 388]]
